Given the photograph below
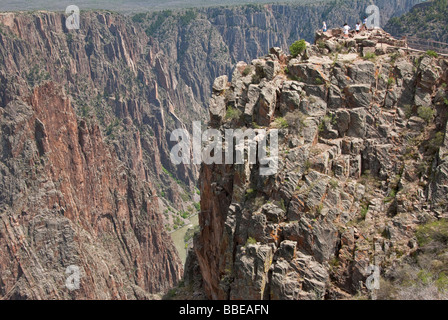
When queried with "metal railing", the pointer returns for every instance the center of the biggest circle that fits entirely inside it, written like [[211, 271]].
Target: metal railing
[[426, 44]]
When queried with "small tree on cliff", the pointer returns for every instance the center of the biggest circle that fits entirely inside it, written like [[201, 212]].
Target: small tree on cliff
[[297, 48]]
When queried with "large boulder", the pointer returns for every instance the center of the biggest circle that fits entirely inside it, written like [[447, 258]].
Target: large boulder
[[300, 279], [217, 109], [307, 72], [290, 96], [266, 105], [252, 96], [357, 127], [362, 72], [271, 69], [358, 96], [220, 83], [250, 278]]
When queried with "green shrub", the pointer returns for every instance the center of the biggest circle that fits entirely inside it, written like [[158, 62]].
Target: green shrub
[[139, 17], [255, 125], [426, 113], [232, 113], [436, 142], [246, 71], [165, 170], [390, 81], [318, 81], [308, 165], [297, 48], [408, 110], [295, 78], [250, 193], [326, 121], [251, 240], [425, 276], [364, 210], [334, 183], [432, 53], [391, 196], [188, 17], [436, 231], [282, 205], [161, 17], [171, 294], [369, 56], [442, 282], [394, 57], [281, 123], [184, 214]]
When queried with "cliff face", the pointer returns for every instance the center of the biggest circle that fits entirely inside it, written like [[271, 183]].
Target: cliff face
[[68, 200], [86, 117], [362, 162], [71, 194]]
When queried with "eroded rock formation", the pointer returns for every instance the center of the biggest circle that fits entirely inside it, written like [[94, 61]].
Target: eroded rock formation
[[362, 127]]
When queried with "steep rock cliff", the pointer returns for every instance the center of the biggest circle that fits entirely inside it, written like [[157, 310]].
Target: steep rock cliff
[[362, 129], [76, 188], [67, 200], [113, 77]]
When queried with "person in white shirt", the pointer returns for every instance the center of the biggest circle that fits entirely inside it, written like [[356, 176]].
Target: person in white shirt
[[324, 27], [358, 27], [346, 29], [364, 25]]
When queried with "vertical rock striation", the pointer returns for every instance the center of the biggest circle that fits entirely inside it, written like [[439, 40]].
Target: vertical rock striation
[[76, 187], [68, 200]]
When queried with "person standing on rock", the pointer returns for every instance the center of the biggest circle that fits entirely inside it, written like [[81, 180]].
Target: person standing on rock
[[324, 27], [346, 29], [358, 27], [364, 24]]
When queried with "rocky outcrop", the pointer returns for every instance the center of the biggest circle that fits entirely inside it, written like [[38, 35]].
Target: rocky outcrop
[[358, 135]]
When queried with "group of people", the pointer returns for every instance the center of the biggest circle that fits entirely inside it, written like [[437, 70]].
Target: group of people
[[358, 28]]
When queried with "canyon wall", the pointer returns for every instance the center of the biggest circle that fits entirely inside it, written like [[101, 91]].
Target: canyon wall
[[86, 117], [68, 195]]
